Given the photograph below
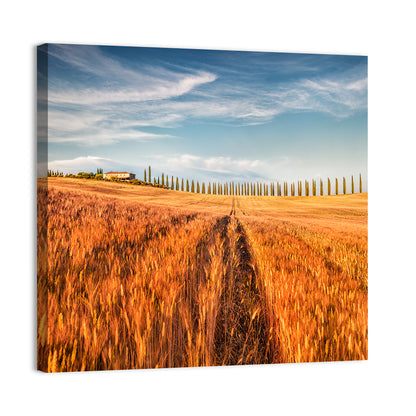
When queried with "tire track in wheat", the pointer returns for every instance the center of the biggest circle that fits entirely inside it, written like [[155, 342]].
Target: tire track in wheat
[[241, 335]]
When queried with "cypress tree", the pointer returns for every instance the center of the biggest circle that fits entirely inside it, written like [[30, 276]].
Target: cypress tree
[[193, 186], [163, 179], [329, 186], [344, 185], [336, 186], [182, 187], [209, 188], [145, 180], [187, 185], [352, 184], [322, 187], [361, 185], [177, 183], [150, 174]]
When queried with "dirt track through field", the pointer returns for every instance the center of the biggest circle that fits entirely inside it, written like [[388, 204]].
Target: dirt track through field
[[241, 335]]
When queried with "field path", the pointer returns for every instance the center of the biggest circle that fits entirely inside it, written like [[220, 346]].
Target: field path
[[241, 335]]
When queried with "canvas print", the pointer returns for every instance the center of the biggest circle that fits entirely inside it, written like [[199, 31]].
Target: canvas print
[[200, 208]]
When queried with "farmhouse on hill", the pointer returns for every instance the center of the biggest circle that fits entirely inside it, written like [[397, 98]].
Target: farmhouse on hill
[[123, 176]]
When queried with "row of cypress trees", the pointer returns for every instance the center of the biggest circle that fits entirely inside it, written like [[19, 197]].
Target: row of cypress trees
[[249, 188]]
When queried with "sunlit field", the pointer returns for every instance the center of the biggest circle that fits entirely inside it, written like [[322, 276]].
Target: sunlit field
[[142, 277]]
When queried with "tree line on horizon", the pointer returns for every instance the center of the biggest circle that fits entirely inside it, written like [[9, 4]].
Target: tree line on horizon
[[285, 188], [304, 188]]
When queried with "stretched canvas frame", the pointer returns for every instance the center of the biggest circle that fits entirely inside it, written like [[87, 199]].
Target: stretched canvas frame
[[200, 208]]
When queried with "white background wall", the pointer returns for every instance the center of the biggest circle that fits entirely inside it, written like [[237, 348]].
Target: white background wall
[[385, 383]]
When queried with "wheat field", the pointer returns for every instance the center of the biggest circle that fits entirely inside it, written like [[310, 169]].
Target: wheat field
[[141, 277]]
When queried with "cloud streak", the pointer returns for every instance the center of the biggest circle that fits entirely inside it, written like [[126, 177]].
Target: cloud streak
[[114, 82], [82, 164], [218, 164], [155, 89]]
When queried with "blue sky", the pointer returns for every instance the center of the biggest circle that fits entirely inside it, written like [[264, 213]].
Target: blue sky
[[207, 115]]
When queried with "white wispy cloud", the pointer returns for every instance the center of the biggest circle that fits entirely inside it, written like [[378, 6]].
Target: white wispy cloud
[[218, 164], [82, 163], [115, 82], [97, 136], [154, 89], [93, 128], [64, 121]]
